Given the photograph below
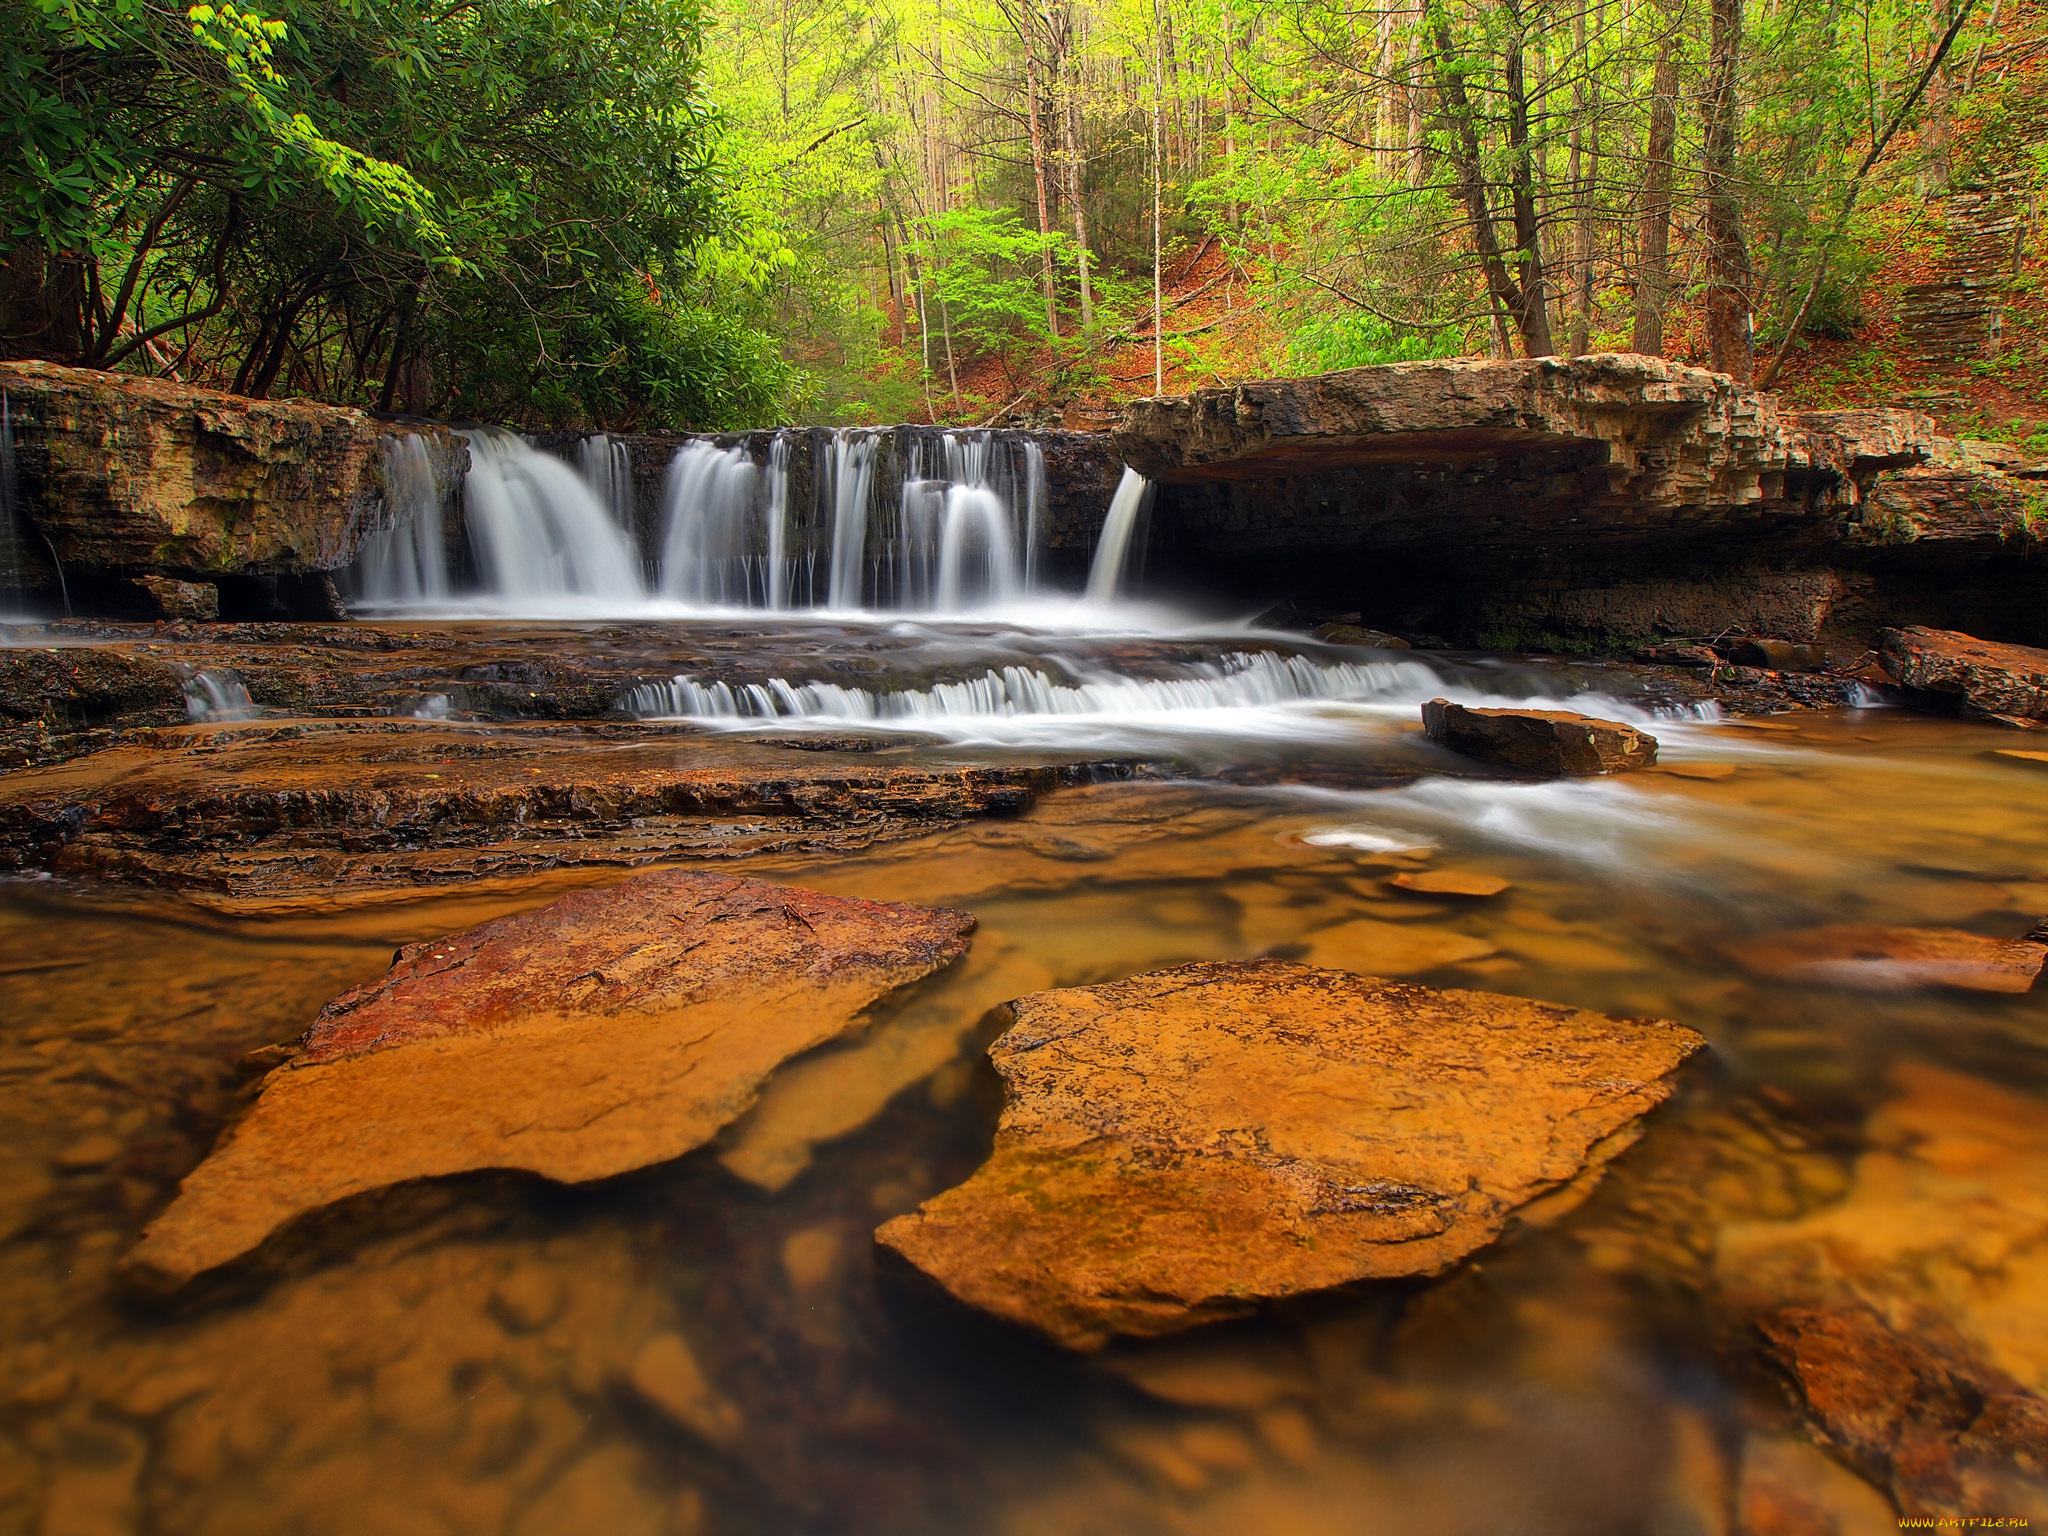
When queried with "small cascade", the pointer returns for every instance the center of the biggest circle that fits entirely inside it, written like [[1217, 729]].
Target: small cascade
[[777, 516], [849, 482], [739, 527], [1112, 550], [13, 579], [709, 552], [607, 468], [1236, 682], [407, 564], [211, 696], [539, 533]]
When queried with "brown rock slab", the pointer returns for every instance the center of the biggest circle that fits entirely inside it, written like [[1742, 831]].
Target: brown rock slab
[[1182, 1146], [1367, 945], [1909, 1319], [1549, 741], [1778, 655], [1450, 882], [1698, 770], [1873, 958], [1985, 678], [612, 1029], [1338, 633]]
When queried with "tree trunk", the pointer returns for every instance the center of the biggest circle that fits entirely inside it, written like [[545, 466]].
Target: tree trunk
[[1730, 326], [40, 300], [1158, 215], [1937, 129], [1068, 74], [1031, 106], [1653, 262], [1522, 299]]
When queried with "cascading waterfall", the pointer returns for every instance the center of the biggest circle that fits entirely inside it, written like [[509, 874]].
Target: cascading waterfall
[[1112, 550], [1238, 681], [539, 533], [965, 535], [849, 482], [707, 543], [607, 468], [12, 584], [408, 563]]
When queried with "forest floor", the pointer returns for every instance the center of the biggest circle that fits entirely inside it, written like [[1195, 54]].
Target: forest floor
[[1216, 333]]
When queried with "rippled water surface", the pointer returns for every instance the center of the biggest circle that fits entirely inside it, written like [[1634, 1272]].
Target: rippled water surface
[[460, 1361]]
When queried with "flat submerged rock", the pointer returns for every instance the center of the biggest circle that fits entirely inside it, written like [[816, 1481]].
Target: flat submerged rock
[[1180, 1147], [610, 1030]]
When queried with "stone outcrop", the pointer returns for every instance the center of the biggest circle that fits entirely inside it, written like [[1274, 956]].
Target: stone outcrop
[[609, 1030], [1907, 1319], [1548, 741], [1606, 496], [1180, 1147], [1981, 678], [249, 815], [1871, 958], [1670, 436], [122, 476]]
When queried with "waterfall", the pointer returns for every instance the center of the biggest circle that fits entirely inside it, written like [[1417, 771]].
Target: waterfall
[[707, 552], [850, 483], [1106, 573], [12, 575], [778, 522], [538, 531], [736, 527], [217, 696], [407, 563], [607, 468]]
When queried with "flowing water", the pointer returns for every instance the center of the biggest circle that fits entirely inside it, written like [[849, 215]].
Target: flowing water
[[963, 535], [463, 1365]]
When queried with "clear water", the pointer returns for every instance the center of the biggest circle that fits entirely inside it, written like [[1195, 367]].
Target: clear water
[[463, 1366]]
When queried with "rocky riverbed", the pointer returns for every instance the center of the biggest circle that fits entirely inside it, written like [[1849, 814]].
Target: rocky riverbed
[[1798, 1295]]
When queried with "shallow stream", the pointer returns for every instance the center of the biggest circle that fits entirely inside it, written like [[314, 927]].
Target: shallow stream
[[461, 1362]]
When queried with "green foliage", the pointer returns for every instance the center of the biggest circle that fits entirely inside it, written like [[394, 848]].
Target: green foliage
[[498, 205]]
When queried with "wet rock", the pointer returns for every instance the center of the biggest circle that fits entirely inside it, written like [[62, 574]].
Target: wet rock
[[611, 1029], [65, 687], [1892, 1407], [1679, 655], [124, 474], [1910, 1319], [1372, 947], [174, 599], [1179, 1147], [1548, 741], [1778, 655], [1873, 958], [667, 1374], [1358, 634], [1450, 882], [1983, 678], [300, 813]]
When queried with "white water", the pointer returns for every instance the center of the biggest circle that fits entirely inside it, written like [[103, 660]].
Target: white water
[[707, 539], [607, 468], [538, 532], [408, 563], [964, 537], [1106, 574], [1241, 697], [217, 696]]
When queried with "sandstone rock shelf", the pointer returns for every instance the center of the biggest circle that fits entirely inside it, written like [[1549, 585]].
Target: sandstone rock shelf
[[608, 1030], [1183, 1146]]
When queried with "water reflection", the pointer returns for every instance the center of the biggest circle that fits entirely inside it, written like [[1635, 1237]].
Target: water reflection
[[713, 1346]]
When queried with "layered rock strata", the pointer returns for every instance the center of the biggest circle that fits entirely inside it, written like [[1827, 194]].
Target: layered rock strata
[[1981, 678], [607, 1031], [1613, 495], [1183, 1146], [246, 816], [120, 476], [1556, 742]]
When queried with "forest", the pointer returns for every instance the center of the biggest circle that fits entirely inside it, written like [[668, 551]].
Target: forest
[[847, 211]]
